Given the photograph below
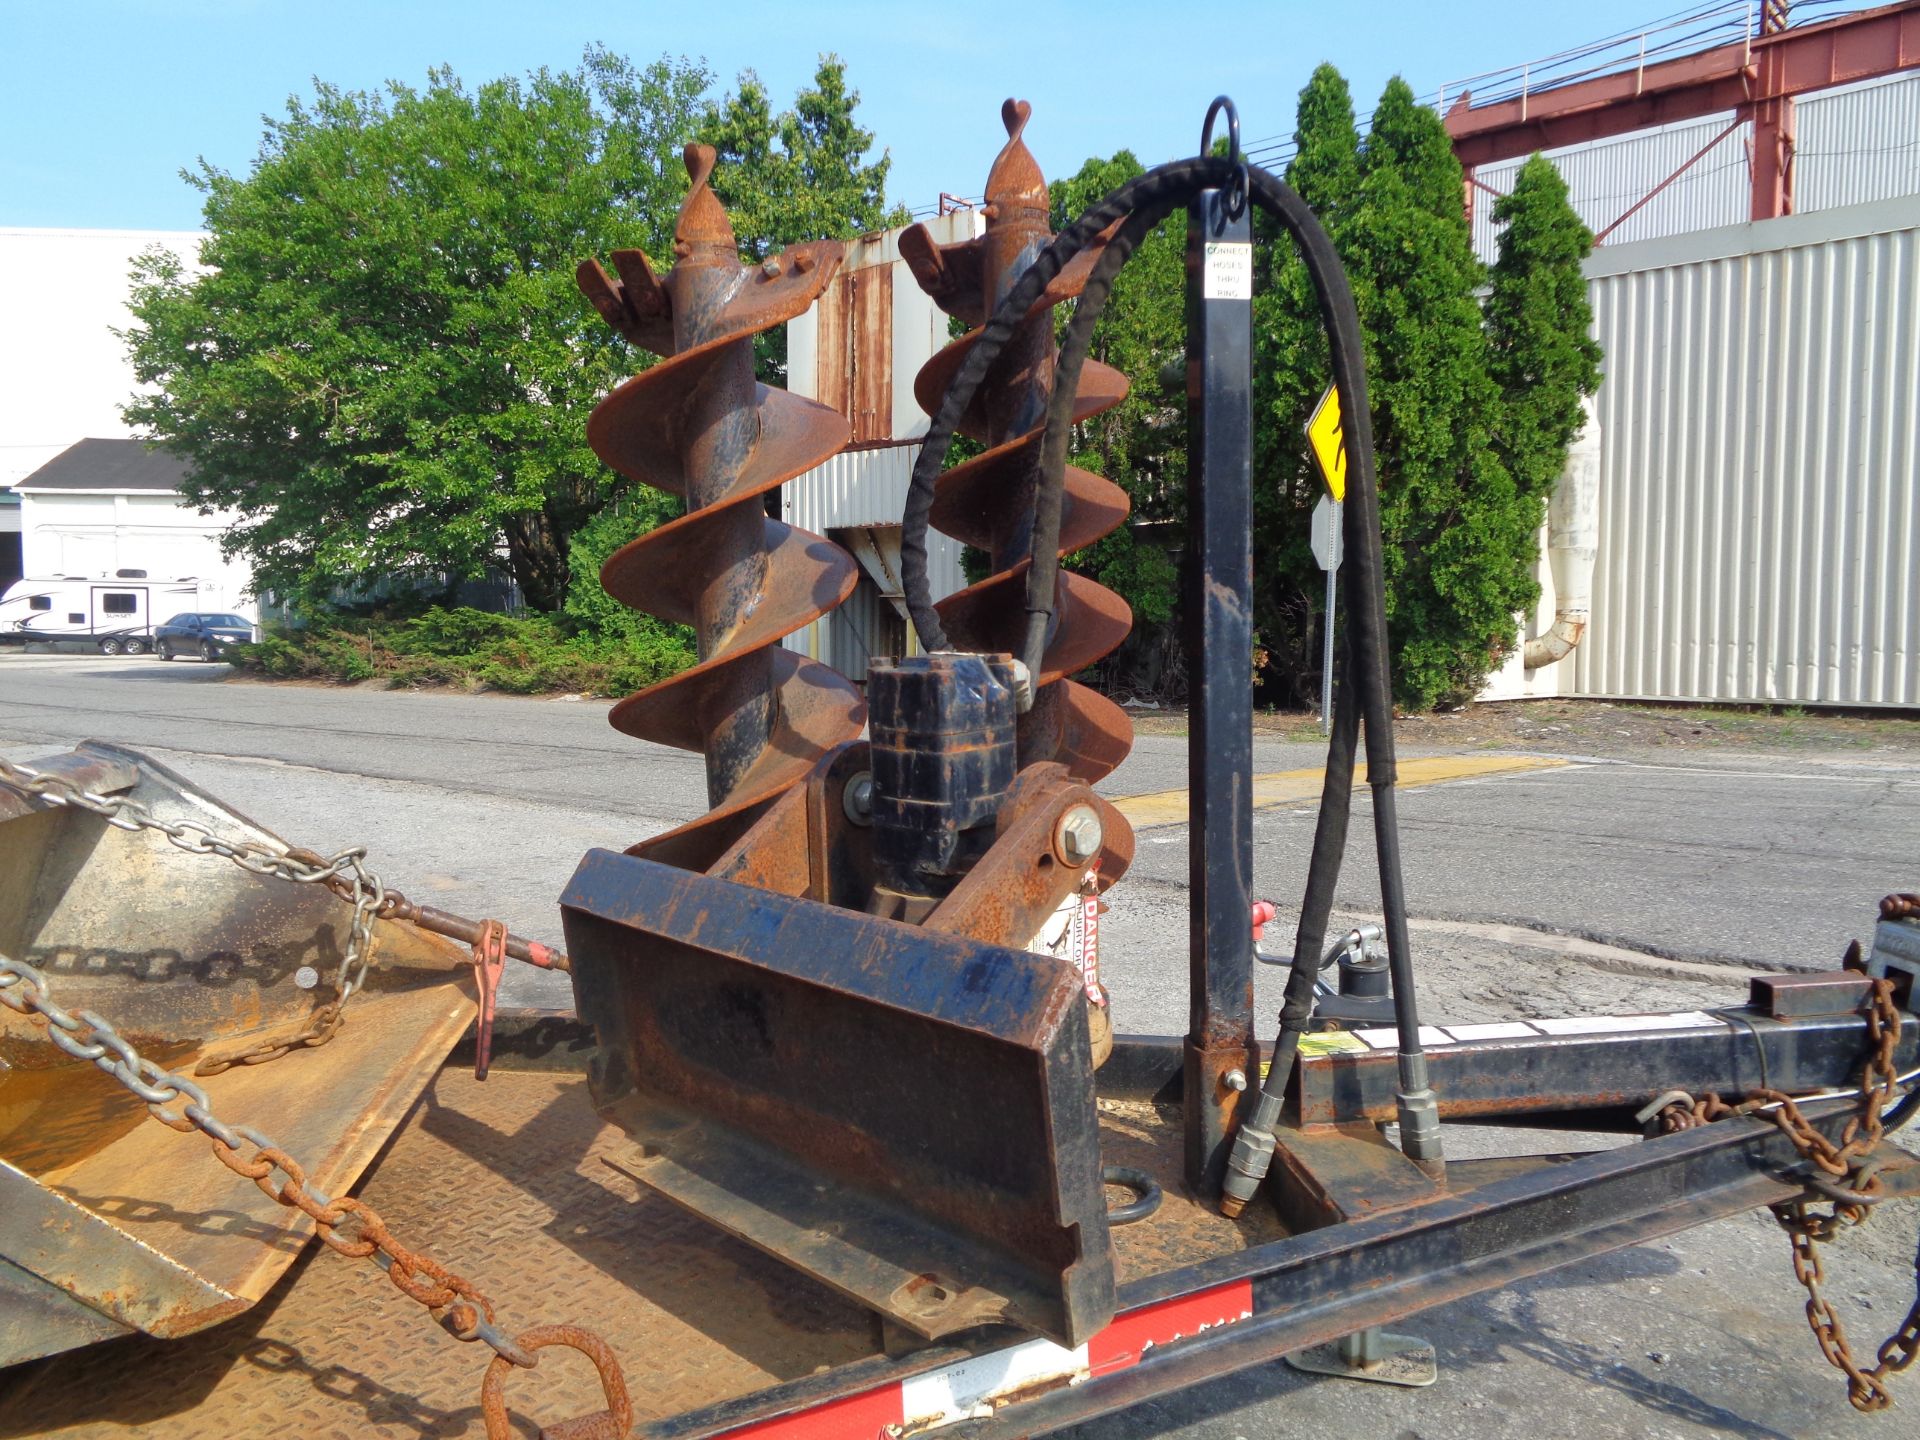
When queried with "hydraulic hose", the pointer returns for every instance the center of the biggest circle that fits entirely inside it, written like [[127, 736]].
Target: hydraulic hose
[[1366, 695], [1043, 574], [1179, 180]]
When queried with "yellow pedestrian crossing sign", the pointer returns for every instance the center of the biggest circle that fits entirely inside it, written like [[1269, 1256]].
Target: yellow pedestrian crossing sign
[[1328, 442]]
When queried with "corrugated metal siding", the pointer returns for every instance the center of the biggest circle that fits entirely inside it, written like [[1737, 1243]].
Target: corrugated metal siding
[[1604, 180], [1760, 533], [860, 487], [1859, 145], [1856, 144]]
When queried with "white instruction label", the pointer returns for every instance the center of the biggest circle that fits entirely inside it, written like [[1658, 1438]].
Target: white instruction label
[[1229, 271]]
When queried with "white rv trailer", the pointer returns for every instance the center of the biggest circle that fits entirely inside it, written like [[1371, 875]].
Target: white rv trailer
[[112, 613]]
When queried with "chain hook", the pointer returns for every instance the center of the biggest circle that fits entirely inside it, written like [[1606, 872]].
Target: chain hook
[[489, 963], [617, 1417], [1240, 185]]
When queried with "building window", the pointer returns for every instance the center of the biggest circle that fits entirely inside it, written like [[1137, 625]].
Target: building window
[[40, 602], [118, 604]]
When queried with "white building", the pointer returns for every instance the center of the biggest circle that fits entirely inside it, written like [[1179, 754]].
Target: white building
[[64, 375], [1759, 495], [63, 371], [102, 508]]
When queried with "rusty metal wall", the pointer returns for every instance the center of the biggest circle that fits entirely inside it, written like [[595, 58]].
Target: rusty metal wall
[[1857, 144], [1760, 529]]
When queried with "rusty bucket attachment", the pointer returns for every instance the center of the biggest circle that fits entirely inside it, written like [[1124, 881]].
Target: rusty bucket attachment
[[110, 1223], [906, 1115]]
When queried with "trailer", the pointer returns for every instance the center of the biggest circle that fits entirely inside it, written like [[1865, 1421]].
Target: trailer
[[114, 614], [837, 1142]]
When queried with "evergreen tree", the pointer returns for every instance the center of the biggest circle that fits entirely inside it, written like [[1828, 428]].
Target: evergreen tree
[[1459, 533], [1537, 322], [1292, 370]]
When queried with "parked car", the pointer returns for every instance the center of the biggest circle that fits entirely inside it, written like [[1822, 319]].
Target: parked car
[[205, 634]]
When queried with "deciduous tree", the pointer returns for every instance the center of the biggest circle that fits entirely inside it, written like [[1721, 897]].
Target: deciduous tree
[[385, 366]]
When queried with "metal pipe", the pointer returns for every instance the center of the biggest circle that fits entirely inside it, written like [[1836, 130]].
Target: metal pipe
[[1573, 543]]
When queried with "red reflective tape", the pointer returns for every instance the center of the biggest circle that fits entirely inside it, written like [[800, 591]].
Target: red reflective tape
[[857, 1417], [1123, 1343], [1120, 1346]]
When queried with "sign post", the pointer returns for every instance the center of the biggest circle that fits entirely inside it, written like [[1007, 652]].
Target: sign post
[[1325, 439]]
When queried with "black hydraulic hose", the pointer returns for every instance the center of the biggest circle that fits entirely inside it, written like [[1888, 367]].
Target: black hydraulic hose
[[1330, 834], [1323, 873], [1049, 498], [1178, 179], [1366, 664], [1364, 572]]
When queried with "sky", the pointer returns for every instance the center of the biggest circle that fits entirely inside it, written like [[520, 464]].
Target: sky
[[103, 103]]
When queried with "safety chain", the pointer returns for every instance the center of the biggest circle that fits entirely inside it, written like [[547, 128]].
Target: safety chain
[[1846, 1173], [463, 1311], [345, 873], [457, 1305]]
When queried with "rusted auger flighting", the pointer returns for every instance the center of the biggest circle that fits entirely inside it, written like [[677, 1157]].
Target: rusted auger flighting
[[700, 426], [988, 502], [818, 1020]]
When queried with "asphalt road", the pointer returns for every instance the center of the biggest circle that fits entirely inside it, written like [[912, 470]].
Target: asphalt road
[[488, 801], [484, 804]]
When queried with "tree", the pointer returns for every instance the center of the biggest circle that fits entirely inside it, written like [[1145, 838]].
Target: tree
[[796, 176], [386, 366], [1538, 317], [802, 174], [1292, 370], [1459, 532]]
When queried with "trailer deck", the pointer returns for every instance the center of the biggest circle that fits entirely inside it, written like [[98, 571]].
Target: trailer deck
[[509, 1182]]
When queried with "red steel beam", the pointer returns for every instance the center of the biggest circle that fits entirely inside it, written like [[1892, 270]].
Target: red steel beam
[[1769, 67]]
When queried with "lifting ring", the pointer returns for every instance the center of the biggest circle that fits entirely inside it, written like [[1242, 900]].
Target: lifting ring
[[1238, 187]]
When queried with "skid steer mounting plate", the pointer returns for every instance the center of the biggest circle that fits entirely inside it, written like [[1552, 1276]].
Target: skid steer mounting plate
[[909, 1117]]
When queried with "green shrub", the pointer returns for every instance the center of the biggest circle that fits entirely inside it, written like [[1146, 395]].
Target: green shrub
[[471, 649]]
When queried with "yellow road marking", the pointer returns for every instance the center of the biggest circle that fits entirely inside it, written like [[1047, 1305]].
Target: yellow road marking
[[1301, 787]]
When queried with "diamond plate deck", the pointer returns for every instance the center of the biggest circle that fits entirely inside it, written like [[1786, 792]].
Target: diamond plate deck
[[505, 1182]]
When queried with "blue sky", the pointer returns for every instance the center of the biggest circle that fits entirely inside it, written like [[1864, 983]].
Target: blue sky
[[102, 103]]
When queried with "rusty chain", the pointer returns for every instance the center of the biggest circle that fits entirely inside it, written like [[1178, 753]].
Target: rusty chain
[[461, 1309], [1852, 1160], [456, 1304], [345, 873]]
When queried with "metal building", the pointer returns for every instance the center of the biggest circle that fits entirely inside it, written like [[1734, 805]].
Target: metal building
[[1855, 145], [1760, 491], [1756, 291], [858, 349]]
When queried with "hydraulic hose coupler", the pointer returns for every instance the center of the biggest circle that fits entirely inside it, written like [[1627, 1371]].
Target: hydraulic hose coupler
[[1252, 1153], [1419, 1117]]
